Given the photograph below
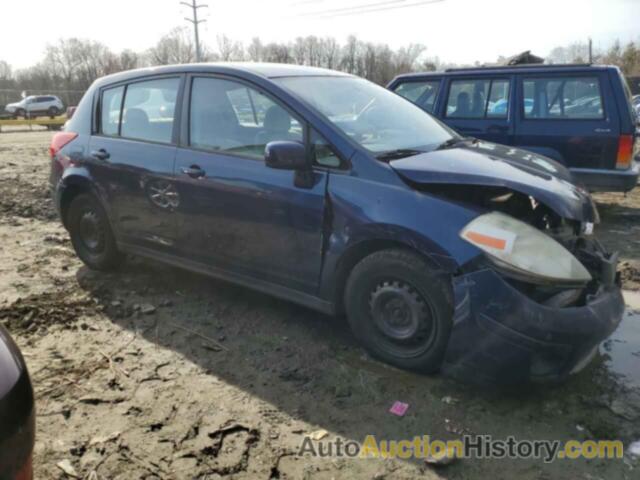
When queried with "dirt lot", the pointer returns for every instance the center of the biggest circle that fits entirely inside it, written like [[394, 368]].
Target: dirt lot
[[157, 373]]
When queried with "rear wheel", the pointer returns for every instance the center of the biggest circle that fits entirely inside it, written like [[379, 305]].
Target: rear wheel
[[400, 309], [53, 112], [91, 234]]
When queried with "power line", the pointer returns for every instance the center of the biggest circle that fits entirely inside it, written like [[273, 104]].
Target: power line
[[194, 7], [354, 7], [370, 8]]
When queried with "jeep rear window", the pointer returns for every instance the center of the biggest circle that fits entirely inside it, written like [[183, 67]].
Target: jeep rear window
[[562, 98]]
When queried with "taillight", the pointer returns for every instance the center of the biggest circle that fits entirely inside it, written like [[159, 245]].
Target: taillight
[[59, 140], [625, 152], [26, 472]]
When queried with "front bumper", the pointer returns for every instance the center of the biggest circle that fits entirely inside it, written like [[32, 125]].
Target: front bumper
[[502, 336]]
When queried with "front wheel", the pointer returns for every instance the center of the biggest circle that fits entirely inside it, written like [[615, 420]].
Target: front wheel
[[91, 233], [400, 309]]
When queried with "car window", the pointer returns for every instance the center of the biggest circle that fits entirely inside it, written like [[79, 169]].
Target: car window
[[110, 106], [467, 98], [498, 105], [149, 110], [323, 154], [481, 98], [423, 94], [231, 117], [562, 98], [372, 116]]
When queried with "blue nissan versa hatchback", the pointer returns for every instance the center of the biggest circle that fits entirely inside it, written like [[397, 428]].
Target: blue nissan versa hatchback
[[332, 192], [579, 115]]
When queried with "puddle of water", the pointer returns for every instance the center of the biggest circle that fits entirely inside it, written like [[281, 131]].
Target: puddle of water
[[623, 347]]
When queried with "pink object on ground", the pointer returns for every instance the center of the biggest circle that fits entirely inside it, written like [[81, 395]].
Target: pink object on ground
[[399, 408]]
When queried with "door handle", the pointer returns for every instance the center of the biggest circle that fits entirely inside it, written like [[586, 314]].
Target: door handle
[[194, 171], [498, 128], [101, 154]]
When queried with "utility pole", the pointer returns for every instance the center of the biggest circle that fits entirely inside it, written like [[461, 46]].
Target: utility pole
[[590, 50], [194, 7]]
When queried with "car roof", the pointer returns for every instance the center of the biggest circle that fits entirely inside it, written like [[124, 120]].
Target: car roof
[[265, 70], [508, 70]]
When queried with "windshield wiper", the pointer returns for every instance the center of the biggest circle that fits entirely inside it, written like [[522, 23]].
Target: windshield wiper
[[398, 153]]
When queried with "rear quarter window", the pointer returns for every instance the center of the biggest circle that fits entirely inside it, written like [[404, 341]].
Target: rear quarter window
[[571, 98], [110, 107]]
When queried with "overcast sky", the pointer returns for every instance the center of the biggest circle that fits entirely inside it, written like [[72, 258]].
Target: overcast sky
[[460, 31]]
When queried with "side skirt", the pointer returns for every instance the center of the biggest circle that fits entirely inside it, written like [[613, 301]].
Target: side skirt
[[279, 291]]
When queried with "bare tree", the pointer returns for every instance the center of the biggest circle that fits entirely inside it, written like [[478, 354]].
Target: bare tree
[[277, 53], [174, 48], [255, 50], [229, 50], [128, 60], [330, 52]]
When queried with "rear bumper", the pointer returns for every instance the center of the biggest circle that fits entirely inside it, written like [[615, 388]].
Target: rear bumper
[[600, 180], [502, 336]]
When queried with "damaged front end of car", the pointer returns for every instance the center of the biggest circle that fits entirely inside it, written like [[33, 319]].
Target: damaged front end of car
[[538, 302], [542, 293]]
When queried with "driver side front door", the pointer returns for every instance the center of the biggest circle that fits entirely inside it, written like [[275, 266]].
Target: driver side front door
[[236, 214]]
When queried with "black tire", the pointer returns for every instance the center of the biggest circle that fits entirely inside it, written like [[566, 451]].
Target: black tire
[[21, 112], [400, 309], [91, 234], [53, 112]]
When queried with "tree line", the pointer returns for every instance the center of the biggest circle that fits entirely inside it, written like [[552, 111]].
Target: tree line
[[70, 65]]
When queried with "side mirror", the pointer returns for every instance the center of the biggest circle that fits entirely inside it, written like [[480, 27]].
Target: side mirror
[[285, 155]]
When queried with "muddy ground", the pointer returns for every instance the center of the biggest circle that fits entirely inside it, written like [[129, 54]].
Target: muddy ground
[[157, 373]]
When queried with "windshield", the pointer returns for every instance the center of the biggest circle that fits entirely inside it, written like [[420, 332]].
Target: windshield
[[377, 119]]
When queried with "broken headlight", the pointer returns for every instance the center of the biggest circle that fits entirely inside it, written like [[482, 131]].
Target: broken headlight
[[524, 251]]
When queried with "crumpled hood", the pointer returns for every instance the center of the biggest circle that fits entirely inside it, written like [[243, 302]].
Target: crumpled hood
[[492, 165]]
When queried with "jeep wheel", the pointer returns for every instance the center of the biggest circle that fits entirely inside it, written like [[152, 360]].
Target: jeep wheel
[[400, 309], [91, 234]]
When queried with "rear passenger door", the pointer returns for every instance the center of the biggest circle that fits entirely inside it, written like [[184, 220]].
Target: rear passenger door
[[132, 154], [480, 107], [566, 117]]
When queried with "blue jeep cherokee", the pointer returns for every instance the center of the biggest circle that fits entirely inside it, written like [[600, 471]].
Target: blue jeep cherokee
[[579, 115], [330, 191]]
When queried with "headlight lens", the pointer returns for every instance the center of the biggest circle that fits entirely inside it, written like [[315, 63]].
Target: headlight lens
[[524, 249]]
